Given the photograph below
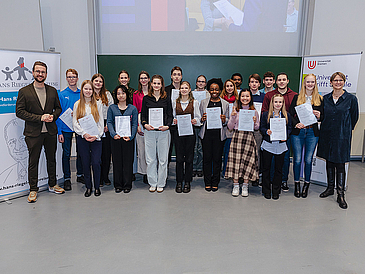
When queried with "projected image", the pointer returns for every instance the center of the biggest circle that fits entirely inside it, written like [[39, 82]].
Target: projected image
[[200, 15]]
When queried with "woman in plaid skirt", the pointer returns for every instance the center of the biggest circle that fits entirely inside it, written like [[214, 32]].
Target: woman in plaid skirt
[[242, 157]]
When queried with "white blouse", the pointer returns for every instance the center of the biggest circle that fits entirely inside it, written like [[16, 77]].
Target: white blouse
[[76, 125]]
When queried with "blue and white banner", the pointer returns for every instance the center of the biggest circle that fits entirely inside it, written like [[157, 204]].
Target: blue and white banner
[[16, 72], [324, 66]]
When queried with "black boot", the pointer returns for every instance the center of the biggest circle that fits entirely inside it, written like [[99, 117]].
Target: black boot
[[330, 183], [340, 178], [145, 180], [297, 189], [305, 190], [186, 187], [179, 187]]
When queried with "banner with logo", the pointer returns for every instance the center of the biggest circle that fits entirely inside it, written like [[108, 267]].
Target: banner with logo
[[324, 66], [16, 72]]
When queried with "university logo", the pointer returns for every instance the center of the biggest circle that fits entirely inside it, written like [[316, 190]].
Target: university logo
[[312, 64], [20, 69]]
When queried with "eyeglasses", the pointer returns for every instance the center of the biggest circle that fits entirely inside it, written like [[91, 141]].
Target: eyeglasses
[[40, 71], [71, 77]]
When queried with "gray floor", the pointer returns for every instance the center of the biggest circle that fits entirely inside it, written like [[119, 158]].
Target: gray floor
[[199, 232]]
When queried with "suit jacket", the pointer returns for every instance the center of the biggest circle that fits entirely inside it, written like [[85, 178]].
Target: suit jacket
[[225, 108], [29, 109]]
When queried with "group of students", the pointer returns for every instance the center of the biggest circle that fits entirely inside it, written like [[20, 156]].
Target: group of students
[[245, 153]]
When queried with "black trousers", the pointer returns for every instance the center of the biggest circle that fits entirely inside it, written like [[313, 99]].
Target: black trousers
[[106, 154], [184, 146], [212, 157], [278, 173], [35, 144], [123, 156]]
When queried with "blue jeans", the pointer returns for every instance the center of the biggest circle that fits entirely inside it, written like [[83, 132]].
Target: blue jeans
[[227, 144], [66, 154], [307, 139]]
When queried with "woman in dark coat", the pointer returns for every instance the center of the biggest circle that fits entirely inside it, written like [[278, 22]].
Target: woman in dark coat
[[340, 116]]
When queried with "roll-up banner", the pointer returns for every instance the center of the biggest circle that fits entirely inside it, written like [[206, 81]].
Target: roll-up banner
[[15, 73], [324, 66]]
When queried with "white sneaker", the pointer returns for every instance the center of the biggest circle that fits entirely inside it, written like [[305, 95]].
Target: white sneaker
[[236, 191], [244, 190], [159, 189], [152, 189]]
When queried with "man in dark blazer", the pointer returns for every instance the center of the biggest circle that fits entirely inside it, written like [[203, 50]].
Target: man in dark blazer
[[39, 106]]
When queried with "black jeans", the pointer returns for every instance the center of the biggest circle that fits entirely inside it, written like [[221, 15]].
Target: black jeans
[[123, 156], [278, 172], [212, 158], [184, 146]]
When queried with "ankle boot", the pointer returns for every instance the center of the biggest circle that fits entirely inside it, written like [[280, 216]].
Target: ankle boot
[[297, 189], [340, 178], [305, 190], [330, 183], [179, 187], [186, 187]]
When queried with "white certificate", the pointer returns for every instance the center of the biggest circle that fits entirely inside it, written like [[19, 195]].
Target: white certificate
[[88, 124], [305, 114], [245, 122], [123, 126], [228, 10], [199, 95], [258, 107], [278, 128], [155, 117], [66, 117], [184, 125], [230, 108], [213, 118], [174, 94]]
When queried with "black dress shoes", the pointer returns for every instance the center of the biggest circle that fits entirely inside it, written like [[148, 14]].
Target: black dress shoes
[[87, 193], [208, 188], [186, 187], [267, 196], [118, 190], [178, 188], [127, 190], [97, 192], [275, 196], [67, 185]]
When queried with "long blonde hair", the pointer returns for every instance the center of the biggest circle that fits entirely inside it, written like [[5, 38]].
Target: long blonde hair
[[224, 91], [316, 97], [80, 112], [191, 97], [271, 108]]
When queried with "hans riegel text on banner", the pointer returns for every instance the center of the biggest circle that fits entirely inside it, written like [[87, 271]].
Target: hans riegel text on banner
[[324, 66]]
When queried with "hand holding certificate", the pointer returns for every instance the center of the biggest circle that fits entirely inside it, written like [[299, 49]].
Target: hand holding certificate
[[305, 114], [66, 117], [278, 129], [245, 122], [230, 11], [88, 124], [214, 120], [123, 126], [184, 125], [155, 117]]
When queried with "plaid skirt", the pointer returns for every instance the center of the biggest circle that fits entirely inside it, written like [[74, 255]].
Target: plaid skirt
[[242, 157]]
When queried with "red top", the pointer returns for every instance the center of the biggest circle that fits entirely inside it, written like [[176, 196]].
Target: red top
[[137, 100], [288, 97]]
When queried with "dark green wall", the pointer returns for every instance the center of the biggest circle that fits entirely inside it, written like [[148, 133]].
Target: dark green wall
[[192, 66]]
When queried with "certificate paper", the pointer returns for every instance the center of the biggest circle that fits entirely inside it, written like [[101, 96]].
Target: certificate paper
[[199, 95], [155, 117], [258, 107], [278, 128], [88, 124], [245, 122], [174, 94], [184, 125], [66, 117], [230, 108], [123, 126], [213, 118], [305, 114], [228, 10]]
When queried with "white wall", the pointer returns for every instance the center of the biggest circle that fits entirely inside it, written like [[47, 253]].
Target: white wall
[[20, 23], [68, 27], [339, 27]]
